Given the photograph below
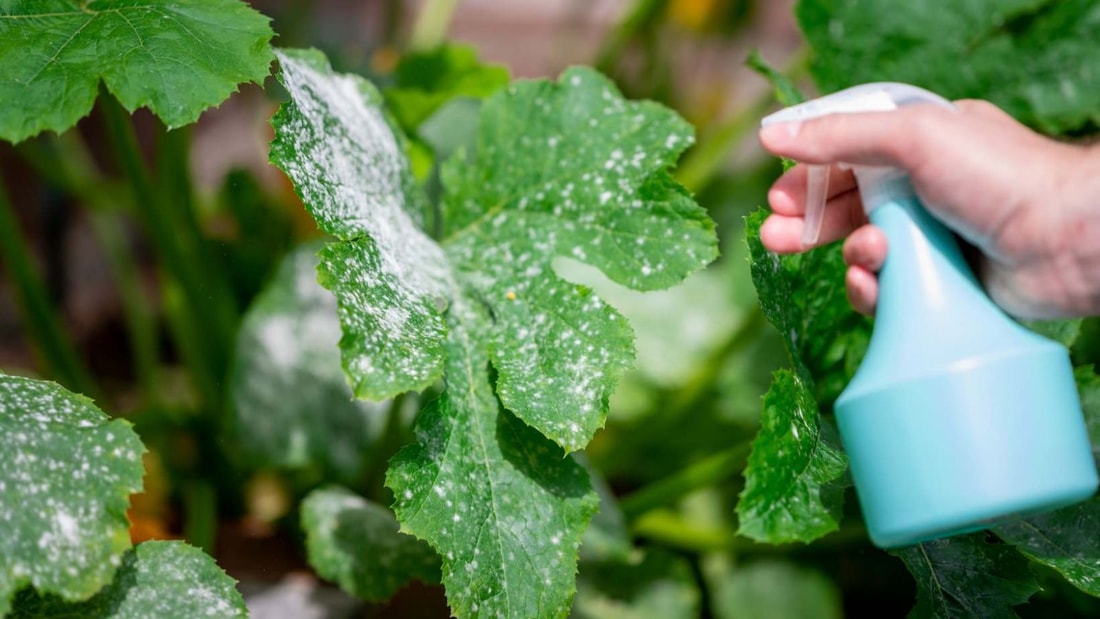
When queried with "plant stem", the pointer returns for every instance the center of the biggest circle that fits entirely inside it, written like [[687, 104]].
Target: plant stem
[[706, 472], [43, 323], [701, 164], [200, 512], [162, 225], [635, 19], [432, 23]]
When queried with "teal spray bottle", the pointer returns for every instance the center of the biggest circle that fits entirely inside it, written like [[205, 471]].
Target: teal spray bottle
[[958, 417]]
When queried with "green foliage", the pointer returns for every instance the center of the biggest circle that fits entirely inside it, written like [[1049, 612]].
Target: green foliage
[[177, 59], [659, 586], [566, 168], [167, 580], [294, 409], [771, 589], [65, 484], [1065, 540], [1034, 58], [356, 543], [968, 577], [793, 488]]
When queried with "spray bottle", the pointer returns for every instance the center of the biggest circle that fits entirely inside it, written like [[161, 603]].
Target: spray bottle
[[958, 417]]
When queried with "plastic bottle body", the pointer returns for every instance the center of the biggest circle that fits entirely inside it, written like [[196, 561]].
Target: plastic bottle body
[[958, 417]]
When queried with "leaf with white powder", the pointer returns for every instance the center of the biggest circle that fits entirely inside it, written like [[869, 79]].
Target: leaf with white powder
[[165, 580], [293, 407], [66, 476], [565, 168]]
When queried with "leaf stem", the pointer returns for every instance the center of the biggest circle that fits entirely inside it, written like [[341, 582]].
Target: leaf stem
[[200, 512], [40, 316], [433, 21], [703, 162], [635, 19], [706, 472], [163, 226]]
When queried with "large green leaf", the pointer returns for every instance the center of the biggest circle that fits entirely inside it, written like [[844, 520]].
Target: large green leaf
[[659, 586], [66, 477], [793, 489], [293, 406], [772, 589], [1038, 59], [967, 577], [176, 58], [804, 296], [565, 168], [356, 544], [1066, 540], [165, 580]]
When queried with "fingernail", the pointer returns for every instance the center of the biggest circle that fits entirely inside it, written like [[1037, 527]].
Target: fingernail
[[780, 133]]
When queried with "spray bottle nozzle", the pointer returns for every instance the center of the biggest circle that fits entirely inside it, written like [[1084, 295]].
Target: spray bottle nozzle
[[877, 97]]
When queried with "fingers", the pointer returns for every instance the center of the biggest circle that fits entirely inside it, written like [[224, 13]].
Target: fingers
[[783, 233], [788, 195], [862, 289], [866, 248]]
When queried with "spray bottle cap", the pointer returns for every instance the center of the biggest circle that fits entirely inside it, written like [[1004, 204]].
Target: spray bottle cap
[[876, 97]]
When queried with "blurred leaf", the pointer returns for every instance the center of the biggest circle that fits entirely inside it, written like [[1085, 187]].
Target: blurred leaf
[[1063, 331], [1088, 386], [177, 59], [785, 91], [804, 296], [772, 589], [606, 538], [793, 480], [293, 406], [66, 477], [1065, 540], [967, 577], [661, 586], [452, 127], [356, 544], [1037, 59], [163, 580], [425, 81]]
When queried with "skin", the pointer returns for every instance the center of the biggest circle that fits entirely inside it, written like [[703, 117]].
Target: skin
[[1029, 204]]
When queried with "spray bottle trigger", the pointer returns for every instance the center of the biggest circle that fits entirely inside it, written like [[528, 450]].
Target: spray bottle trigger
[[817, 189]]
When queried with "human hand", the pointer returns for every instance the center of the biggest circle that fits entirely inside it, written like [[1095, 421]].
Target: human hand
[[1031, 205]]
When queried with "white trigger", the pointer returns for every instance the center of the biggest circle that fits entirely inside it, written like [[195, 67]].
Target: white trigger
[[817, 193]]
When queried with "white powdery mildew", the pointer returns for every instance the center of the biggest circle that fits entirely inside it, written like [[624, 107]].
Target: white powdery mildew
[[545, 188], [65, 481], [352, 173]]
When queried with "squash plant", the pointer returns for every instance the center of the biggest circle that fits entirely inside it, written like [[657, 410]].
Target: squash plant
[[428, 373]]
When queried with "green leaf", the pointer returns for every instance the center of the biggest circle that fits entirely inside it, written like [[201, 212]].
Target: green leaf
[[492, 495], [607, 537], [967, 577], [785, 91], [1037, 59], [793, 488], [293, 406], [1063, 331], [771, 589], [166, 580], [660, 586], [356, 544], [425, 81], [176, 58], [390, 279], [1064, 540], [65, 484], [804, 297], [1088, 386]]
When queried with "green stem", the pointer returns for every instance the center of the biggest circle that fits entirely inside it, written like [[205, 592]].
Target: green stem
[[638, 17], [707, 472], [430, 29], [65, 163], [200, 512], [141, 325], [701, 164], [155, 210], [43, 323]]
